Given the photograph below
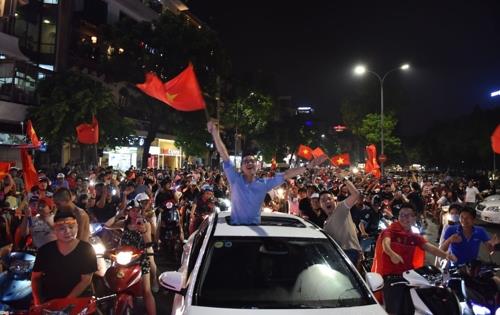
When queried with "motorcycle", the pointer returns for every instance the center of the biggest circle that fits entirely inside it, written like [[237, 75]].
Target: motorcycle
[[15, 282], [474, 285], [124, 277], [69, 306], [171, 229], [428, 292]]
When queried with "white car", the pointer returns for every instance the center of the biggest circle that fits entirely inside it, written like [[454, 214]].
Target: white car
[[285, 265], [488, 210]]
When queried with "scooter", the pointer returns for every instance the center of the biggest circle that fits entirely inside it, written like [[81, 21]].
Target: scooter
[[477, 290], [170, 229], [15, 282], [69, 306], [428, 291], [124, 277]]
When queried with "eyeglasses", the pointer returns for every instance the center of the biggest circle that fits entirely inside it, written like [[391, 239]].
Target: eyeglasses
[[248, 161]]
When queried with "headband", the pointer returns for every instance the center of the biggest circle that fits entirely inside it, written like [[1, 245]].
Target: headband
[[66, 221]]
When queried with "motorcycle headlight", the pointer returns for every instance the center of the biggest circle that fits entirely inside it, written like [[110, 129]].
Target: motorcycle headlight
[[99, 248], [124, 258], [480, 310]]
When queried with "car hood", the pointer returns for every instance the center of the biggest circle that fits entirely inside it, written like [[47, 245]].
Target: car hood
[[355, 310], [491, 203]]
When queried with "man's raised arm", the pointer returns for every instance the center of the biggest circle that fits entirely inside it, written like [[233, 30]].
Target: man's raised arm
[[213, 129]]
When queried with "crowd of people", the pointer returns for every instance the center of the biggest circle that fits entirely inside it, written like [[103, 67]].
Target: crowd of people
[[54, 216]]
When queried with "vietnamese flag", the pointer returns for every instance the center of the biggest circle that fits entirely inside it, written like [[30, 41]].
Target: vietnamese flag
[[31, 134], [29, 172], [371, 165], [341, 160], [318, 152], [495, 140], [182, 92], [4, 169], [305, 152], [88, 133]]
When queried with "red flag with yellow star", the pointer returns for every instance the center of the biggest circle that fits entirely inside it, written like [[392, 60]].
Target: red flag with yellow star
[[341, 160], [88, 133], [182, 92], [305, 152], [318, 152], [30, 175], [495, 140], [371, 165], [4, 169], [31, 134]]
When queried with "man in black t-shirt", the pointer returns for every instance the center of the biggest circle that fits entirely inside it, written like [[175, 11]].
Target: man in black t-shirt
[[63, 268]]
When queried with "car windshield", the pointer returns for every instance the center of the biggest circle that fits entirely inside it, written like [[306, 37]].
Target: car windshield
[[277, 273]]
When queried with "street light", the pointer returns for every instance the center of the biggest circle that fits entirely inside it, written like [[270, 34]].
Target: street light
[[361, 70]]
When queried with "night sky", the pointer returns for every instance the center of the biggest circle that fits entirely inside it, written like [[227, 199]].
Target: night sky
[[311, 47]]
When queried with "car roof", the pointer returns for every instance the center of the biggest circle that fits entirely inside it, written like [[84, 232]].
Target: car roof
[[272, 225]]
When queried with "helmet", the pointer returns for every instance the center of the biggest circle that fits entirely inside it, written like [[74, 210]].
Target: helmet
[[141, 197]]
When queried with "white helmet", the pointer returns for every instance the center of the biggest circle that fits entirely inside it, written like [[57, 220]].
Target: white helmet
[[141, 197]]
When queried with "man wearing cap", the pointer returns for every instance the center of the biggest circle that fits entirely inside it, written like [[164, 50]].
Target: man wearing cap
[[63, 268], [40, 226], [60, 182], [248, 191]]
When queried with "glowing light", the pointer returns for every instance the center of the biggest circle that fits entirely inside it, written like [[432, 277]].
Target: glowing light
[[99, 248], [120, 50], [405, 66], [355, 170], [359, 70], [93, 39], [496, 93], [124, 258], [46, 21]]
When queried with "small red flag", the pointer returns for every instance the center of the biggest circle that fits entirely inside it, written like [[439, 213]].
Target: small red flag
[[341, 160], [371, 165], [318, 152], [4, 169], [305, 152], [29, 172], [31, 134], [88, 133], [495, 140], [182, 92]]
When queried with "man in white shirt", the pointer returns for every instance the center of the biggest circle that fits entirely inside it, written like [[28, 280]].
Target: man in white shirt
[[472, 194]]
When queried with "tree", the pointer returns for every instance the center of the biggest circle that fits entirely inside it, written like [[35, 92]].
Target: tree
[[68, 99], [370, 132], [165, 47]]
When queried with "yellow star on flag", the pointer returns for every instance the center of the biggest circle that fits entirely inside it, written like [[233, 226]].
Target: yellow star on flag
[[340, 161], [306, 151], [171, 97]]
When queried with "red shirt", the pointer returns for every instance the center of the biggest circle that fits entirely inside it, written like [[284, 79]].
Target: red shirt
[[405, 244]]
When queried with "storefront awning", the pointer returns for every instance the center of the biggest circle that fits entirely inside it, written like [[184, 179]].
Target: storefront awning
[[9, 46]]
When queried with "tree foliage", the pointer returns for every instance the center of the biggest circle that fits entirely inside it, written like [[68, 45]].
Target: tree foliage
[[68, 99], [165, 47], [370, 132]]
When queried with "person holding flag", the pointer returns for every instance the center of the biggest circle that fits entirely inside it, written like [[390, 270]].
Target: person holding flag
[[248, 191]]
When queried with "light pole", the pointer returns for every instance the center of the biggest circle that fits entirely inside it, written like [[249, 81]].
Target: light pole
[[361, 70]]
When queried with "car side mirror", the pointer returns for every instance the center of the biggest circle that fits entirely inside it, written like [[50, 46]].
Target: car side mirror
[[375, 281], [172, 281]]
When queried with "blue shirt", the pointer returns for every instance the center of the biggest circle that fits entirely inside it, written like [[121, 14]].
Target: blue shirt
[[247, 198], [468, 249]]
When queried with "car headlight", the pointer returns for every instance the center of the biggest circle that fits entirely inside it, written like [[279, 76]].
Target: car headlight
[[124, 258], [480, 310]]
